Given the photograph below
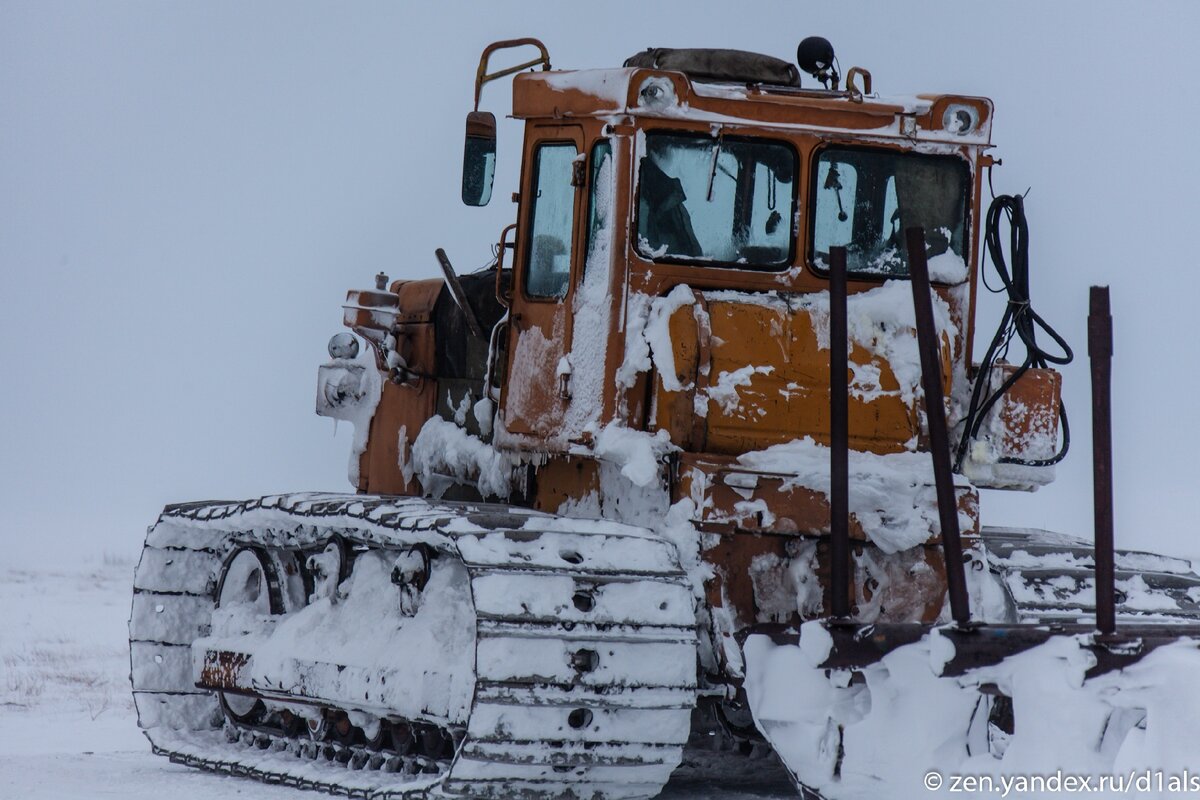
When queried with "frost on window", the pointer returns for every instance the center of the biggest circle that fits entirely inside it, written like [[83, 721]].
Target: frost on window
[[600, 197], [866, 199], [719, 199], [553, 212]]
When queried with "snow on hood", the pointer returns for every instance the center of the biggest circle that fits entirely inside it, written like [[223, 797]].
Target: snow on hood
[[886, 491], [883, 321]]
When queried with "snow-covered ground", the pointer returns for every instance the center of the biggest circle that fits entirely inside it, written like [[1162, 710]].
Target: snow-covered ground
[[68, 730]]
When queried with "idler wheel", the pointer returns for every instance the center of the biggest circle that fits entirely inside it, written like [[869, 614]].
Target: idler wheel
[[248, 579]]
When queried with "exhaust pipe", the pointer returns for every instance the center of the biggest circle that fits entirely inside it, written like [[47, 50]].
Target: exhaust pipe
[[935, 415], [1100, 349], [839, 439]]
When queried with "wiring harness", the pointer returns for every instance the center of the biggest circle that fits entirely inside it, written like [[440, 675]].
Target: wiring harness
[[1019, 321]]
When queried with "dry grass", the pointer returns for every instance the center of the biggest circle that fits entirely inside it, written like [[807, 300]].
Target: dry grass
[[111, 559], [52, 657], [44, 671]]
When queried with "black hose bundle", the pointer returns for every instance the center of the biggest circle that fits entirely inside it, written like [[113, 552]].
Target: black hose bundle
[[1019, 320]]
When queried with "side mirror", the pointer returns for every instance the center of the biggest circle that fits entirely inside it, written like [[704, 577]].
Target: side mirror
[[479, 158]]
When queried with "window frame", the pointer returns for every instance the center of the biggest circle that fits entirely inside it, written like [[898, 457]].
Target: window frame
[[797, 162], [810, 253]]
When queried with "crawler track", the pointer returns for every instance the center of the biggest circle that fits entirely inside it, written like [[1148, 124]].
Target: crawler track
[[584, 656], [1051, 578]]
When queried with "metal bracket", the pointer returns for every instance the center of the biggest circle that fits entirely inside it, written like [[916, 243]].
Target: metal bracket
[[857, 94], [482, 76], [460, 297]]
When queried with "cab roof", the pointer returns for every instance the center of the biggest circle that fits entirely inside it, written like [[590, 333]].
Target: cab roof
[[637, 91]]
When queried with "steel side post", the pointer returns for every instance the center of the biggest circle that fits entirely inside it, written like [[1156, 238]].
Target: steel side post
[[1100, 348], [839, 439], [935, 415]]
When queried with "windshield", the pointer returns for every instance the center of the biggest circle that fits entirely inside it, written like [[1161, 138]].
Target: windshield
[[719, 200], [866, 199]]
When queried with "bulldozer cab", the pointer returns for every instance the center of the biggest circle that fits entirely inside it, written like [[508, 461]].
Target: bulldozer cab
[[715, 173]]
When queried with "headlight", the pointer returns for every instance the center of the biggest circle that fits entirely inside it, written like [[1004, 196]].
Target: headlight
[[343, 345], [656, 92], [960, 119]]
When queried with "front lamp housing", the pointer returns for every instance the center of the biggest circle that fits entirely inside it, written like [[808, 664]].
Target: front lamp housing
[[656, 93], [343, 345], [960, 119]]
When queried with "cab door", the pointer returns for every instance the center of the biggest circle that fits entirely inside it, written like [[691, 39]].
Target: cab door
[[537, 389]]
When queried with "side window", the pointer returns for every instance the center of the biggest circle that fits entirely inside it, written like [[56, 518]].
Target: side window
[[549, 267], [599, 200]]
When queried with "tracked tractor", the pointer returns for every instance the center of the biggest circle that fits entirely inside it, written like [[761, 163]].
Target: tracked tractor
[[693, 466]]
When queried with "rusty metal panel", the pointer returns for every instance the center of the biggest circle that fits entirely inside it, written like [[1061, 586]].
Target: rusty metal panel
[[222, 669], [417, 299], [1029, 412], [404, 408], [564, 479], [731, 497], [675, 411], [547, 95], [787, 395], [760, 578], [533, 401]]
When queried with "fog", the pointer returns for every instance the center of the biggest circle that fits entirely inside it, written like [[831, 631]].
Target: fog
[[187, 191]]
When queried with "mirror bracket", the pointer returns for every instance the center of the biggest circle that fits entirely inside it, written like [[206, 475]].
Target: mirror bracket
[[482, 76]]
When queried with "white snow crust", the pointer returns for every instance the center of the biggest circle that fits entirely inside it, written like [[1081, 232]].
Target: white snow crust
[[891, 496], [883, 322], [725, 391], [591, 320], [427, 660], [906, 720], [637, 453], [360, 383], [648, 337], [611, 85], [444, 453]]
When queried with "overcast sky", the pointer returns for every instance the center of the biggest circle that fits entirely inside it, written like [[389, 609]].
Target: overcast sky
[[187, 190]]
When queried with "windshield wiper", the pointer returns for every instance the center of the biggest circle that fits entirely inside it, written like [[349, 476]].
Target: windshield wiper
[[712, 166], [833, 180]]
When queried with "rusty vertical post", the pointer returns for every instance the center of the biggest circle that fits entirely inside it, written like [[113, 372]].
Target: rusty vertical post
[[1100, 348], [935, 415], [839, 439]]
